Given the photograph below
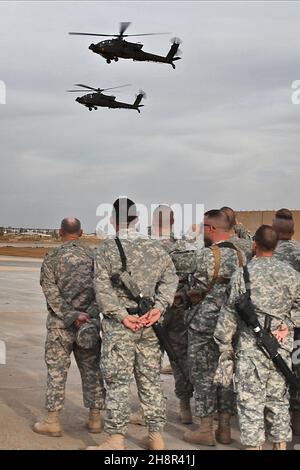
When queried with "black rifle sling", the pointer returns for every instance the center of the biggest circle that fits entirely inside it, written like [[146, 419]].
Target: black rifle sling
[[122, 254], [247, 280]]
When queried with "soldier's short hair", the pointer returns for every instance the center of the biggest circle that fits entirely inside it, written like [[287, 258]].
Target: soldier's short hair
[[219, 219], [266, 237], [284, 227], [230, 214], [70, 225], [124, 211], [284, 214]]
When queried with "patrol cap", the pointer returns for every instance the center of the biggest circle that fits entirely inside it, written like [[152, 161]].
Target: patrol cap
[[87, 336], [124, 210]]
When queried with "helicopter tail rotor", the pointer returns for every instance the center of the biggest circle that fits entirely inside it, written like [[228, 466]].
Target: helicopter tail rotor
[[142, 94], [173, 51], [176, 41], [139, 98]]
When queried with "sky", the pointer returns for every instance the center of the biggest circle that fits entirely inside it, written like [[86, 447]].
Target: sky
[[219, 130]]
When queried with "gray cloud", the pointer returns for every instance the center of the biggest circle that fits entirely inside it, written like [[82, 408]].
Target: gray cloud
[[220, 129]]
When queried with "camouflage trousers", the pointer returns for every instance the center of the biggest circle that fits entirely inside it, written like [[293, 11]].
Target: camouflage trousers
[[174, 324], [60, 343], [126, 354], [203, 356], [295, 394], [262, 399]]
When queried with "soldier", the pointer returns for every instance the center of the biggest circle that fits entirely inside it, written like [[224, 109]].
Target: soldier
[[238, 228], [214, 268], [181, 253], [130, 345], [262, 392], [72, 326], [288, 250], [240, 236]]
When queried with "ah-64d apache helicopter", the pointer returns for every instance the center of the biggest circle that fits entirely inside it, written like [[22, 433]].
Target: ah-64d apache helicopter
[[93, 100], [112, 49]]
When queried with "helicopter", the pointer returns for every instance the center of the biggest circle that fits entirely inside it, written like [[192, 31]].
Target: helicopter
[[93, 100], [118, 47]]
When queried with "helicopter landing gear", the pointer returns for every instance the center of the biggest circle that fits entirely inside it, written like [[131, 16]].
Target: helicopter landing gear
[[116, 59], [90, 109], [108, 61], [95, 108], [173, 65]]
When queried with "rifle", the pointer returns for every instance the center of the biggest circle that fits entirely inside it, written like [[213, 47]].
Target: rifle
[[265, 340], [144, 304]]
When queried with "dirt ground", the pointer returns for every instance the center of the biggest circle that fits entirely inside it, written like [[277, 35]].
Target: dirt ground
[[31, 248], [26, 252]]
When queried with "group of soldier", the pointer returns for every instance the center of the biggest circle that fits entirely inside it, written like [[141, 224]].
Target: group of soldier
[[106, 307]]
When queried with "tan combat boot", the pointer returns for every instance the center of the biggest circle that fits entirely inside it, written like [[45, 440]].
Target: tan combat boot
[[154, 441], [185, 412], [253, 448], [223, 432], [296, 422], [204, 435], [113, 442], [50, 426], [137, 418], [279, 446], [95, 423]]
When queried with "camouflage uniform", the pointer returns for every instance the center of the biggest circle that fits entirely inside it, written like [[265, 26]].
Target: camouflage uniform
[[289, 251], [243, 244], [241, 231], [174, 319], [126, 352], [262, 392], [203, 352], [67, 282]]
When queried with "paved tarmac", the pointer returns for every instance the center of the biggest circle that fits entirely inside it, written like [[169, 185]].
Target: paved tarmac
[[22, 379]]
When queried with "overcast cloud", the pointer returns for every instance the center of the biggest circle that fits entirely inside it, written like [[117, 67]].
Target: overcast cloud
[[220, 129]]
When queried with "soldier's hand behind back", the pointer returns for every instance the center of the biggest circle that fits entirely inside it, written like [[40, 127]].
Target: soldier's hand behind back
[[151, 317], [82, 318], [281, 332], [132, 323]]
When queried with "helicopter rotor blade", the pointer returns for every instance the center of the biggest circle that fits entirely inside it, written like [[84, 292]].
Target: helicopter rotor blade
[[114, 87], [123, 26], [77, 91], [86, 86], [145, 34], [93, 34]]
